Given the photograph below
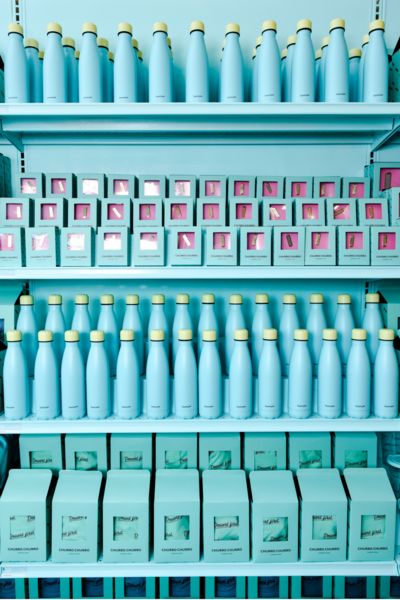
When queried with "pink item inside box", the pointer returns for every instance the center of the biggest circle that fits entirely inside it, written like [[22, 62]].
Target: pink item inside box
[[243, 211], [121, 187], [186, 239], [151, 188], [7, 242], [277, 212], [299, 189], [90, 187], [148, 240], [255, 241], [320, 240], [112, 241], [28, 185], [241, 188], [13, 211], [75, 242], [289, 240], [341, 212], [81, 212], [389, 178], [310, 212], [147, 212], [386, 241], [58, 186], [270, 188], [354, 240], [40, 242], [182, 188], [210, 212], [221, 241], [48, 212], [327, 189], [115, 212], [178, 212], [356, 190], [212, 188], [373, 211]]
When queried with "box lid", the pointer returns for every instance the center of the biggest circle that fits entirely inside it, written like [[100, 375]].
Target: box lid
[[368, 485], [321, 485], [225, 486], [78, 486], [127, 486], [350, 436], [19, 481], [272, 486], [309, 437], [175, 485]]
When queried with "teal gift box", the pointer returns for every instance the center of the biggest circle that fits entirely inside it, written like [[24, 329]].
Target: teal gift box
[[309, 451], [355, 450], [93, 587], [182, 187], [147, 212], [86, 452], [77, 247], [356, 587], [241, 186], [268, 587], [384, 175], [270, 186], [385, 246], [393, 196], [289, 246], [49, 588], [152, 186], [219, 451], [131, 451], [354, 246], [179, 587], [299, 187], [274, 517], [221, 246], [31, 184], [121, 185], [50, 212], [320, 246], [176, 451], [277, 211], [25, 513], [12, 247], [373, 211], [42, 247], [341, 212], [388, 587], [211, 212], [327, 187], [116, 212], [135, 587], [243, 212], [356, 187], [225, 587], [16, 212], [148, 247], [83, 212], [177, 516], [91, 184], [264, 451], [212, 186], [179, 212], [41, 451], [60, 184], [113, 247], [185, 246], [310, 211], [255, 246], [311, 587]]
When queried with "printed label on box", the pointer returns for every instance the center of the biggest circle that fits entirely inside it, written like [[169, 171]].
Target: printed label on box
[[74, 528], [276, 529], [125, 529], [28, 185], [320, 240], [373, 526], [221, 241], [151, 188], [58, 186], [40, 242], [265, 460], [22, 527], [255, 241], [112, 241], [270, 188], [176, 459], [7, 242], [289, 241], [86, 460], [115, 212], [40, 459], [324, 527], [226, 529], [354, 240], [90, 187], [213, 188], [120, 187], [219, 459], [81, 212], [182, 188], [148, 241], [211, 212], [178, 212], [177, 527], [131, 459], [14, 211]]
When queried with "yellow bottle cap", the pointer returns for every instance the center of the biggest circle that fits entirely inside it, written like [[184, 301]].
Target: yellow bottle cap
[[158, 299], [289, 299], [254, 53], [124, 28], [182, 299], [284, 53], [160, 26], [301, 335], [132, 299], [292, 39], [54, 28], [135, 44], [89, 28], [102, 43], [45, 336], [208, 299], [372, 298], [304, 24], [387, 335], [336, 23], [71, 335], [68, 41], [355, 53], [55, 299], [378, 24], [169, 42], [266, 25], [232, 28], [111, 56], [344, 299], [26, 300], [325, 41], [318, 54], [329, 334], [197, 26], [270, 334], [185, 335], [258, 41], [365, 39], [157, 335], [316, 299], [236, 299], [31, 43], [14, 335], [41, 54], [97, 336], [359, 334], [107, 299], [140, 55], [209, 335], [262, 299], [126, 335], [241, 335], [15, 28], [81, 299]]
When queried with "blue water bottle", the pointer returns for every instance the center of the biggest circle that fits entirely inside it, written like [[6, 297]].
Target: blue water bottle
[[157, 377], [89, 66], [372, 323], [354, 73], [232, 76], [185, 377], [344, 325], [358, 377], [17, 402], [283, 71], [300, 377], [107, 323], [269, 65], [386, 378], [160, 66], [46, 385], [261, 321], [240, 378], [27, 325], [316, 323], [71, 69], [208, 319], [102, 44], [197, 85], [98, 382], [82, 323], [16, 78], [55, 323], [234, 321], [210, 377], [126, 67], [73, 393], [34, 70], [158, 319], [142, 78], [376, 65], [329, 377], [337, 64], [287, 82], [111, 75], [270, 377], [127, 383], [322, 68], [364, 52], [133, 320], [182, 320], [54, 71], [254, 71], [303, 67], [318, 56], [289, 322]]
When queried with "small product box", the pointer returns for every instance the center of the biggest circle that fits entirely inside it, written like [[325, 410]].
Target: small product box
[[131, 451], [309, 451], [327, 187], [50, 212], [14, 588], [179, 212], [113, 247], [354, 246], [75, 517], [177, 516], [116, 212], [264, 451], [41, 452], [323, 515], [222, 247], [126, 517], [373, 211], [152, 186], [83, 212], [121, 185], [243, 212], [182, 186], [176, 451], [225, 587], [179, 587], [277, 211], [219, 451], [225, 517], [299, 187], [42, 247], [356, 587], [25, 514], [289, 246], [211, 212], [212, 186], [256, 246], [91, 184], [274, 517], [311, 587], [310, 211], [270, 187], [355, 450], [320, 246], [86, 452], [49, 587], [31, 184], [384, 175], [60, 184], [385, 246], [393, 196], [12, 247], [185, 246], [93, 587], [372, 515], [148, 247], [241, 187], [341, 211], [77, 247], [135, 587], [16, 212], [388, 587], [356, 187], [268, 587], [148, 212]]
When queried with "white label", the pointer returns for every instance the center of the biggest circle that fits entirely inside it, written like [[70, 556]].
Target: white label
[[132, 459], [40, 459]]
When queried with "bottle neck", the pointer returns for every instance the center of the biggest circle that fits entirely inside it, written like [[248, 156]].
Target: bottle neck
[[107, 308], [81, 307], [158, 308]]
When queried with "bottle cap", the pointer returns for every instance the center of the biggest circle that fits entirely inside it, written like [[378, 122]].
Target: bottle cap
[[336, 23], [14, 335], [266, 25], [107, 299], [304, 24], [209, 335], [387, 335], [355, 53], [301, 335], [262, 299], [197, 26], [81, 299], [89, 28], [71, 336], [254, 53], [359, 334], [258, 41], [97, 336], [157, 335], [45, 336], [325, 41], [185, 335], [110, 56], [54, 28], [329, 334], [68, 41], [378, 24], [126, 335], [124, 28], [316, 299], [132, 299], [208, 299], [102, 43], [284, 53], [372, 298], [55, 299], [289, 299], [169, 42], [41, 54], [292, 39], [232, 28], [241, 335], [159, 26], [135, 44], [344, 299], [236, 299], [182, 299], [26, 300], [158, 299], [31, 43], [15, 28], [318, 54], [270, 334], [140, 55], [365, 39]]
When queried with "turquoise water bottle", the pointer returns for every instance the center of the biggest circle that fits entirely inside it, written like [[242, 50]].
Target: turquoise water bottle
[[283, 71], [376, 65], [287, 82], [111, 75], [16, 78], [322, 68], [261, 320], [17, 402], [82, 323], [232, 76], [46, 385], [254, 77], [354, 73], [210, 377], [197, 85], [41, 59], [71, 69], [158, 320], [98, 382], [300, 377], [316, 323], [318, 56], [270, 377], [55, 323], [234, 322], [160, 66], [133, 321], [372, 323], [182, 320], [126, 67], [386, 378], [73, 393], [27, 325], [102, 44], [337, 64], [34, 71], [142, 79], [208, 320], [89, 66], [344, 325], [240, 378], [303, 68], [127, 383], [54, 71], [139, 58], [364, 52], [185, 377], [157, 377], [288, 323], [107, 323], [358, 377], [329, 377], [269, 65]]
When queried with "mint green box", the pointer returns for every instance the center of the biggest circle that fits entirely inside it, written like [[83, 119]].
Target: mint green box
[[341, 212], [148, 212], [113, 247], [385, 246], [148, 247], [116, 212], [355, 450], [219, 451], [50, 212], [91, 184], [268, 587], [264, 451], [77, 247], [277, 211], [75, 517], [244, 212], [241, 186], [211, 212], [41, 451], [225, 587], [311, 587], [226, 525], [179, 212], [152, 186], [179, 587], [373, 211], [177, 516], [320, 246], [270, 186], [182, 187], [384, 175], [372, 515], [355, 587], [222, 246], [135, 587], [16, 212], [42, 247], [176, 450], [126, 517], [131, 451], [60, 184], [310, 211], [58, 587], [323, 515], [119, 186], [288, 246], [327, 187], [12, 247], [25, 516], [298, 187], [185, 246], [388, 587], [212, 186], [86, 452], [31, 184], [356, 187], [14, 588], [393, 196], [354, 246], [274, 517], [83, 212], [255, 246], [93, 587], [309, 451]]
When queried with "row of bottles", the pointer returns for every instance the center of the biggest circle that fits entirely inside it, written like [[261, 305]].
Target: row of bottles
[[62, 74]]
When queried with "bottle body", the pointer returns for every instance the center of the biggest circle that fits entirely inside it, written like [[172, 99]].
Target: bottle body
[[104, 66], [133, 321], [337, 68], [197, 85], [55, 323], [344, 324], [158, 320], [300, 381], [287, 81], [160, 70], [303, 68], [127, 384], [376, 69], [46, 386], [386, 382], [81, 322], [261, 321], [210, 382], [16, 79], [329, 381], [207, 322], [98, 384], [54, 74], [270, 382], [89, 70], [358, 381], [234, 321], [185, 382], [288, 323], [26, 324], [354, 73], [372, 322], [316, 323], [361, 73], [182, 320], [254, 80], [232, 78], [157, 382], [269, 69], [71, 69], [108, 323], [126, 70], [34, 75], [240, 382], [17, 402], [73, 393]]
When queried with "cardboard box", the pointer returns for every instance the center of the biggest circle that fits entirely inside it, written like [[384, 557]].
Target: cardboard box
[[341, 212], [83, 212], [182, 187], [355, 450], [113, 247], [16, 212], [41, 451], [176, 451], [211, 212], [310, 211], [264, 451], [373, 211], [77, 247], [277, 212], [152, 186], [299, 187], [289, 246], [91, 184], [327, 187], [320, 246], [356, 187], [241, 186], [179, 212], [121, 185], [219, 451], [116, 212], [86, 452], [385, 246], [222, 247], [148, 247], [384, 175], [185, 246], [12, 247], [354, 246], [212, 186], [270, 187], [42, 247], [255, 246], [131, 451], [60, 184], [147, 212], [243, 213], [31, 185], [309, 451]]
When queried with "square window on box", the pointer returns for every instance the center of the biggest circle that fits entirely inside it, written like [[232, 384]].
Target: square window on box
[[15, 212], [211, 212], [116, 212], [12, 249], [243, 212], [221, 246], [152, 186], [60, 184], [178, 212], [31, 184], [327, 187], [121, 185], [148, 247], [212, 186], [341, 211], [113, 246], [356, 187], [373, 211], [241, 187], [310, 211], [91, 184], [277, 212], [270, 187], [148, 213], [384, 175], [185, 246], [255, 246], [182, 186], [298, 187]]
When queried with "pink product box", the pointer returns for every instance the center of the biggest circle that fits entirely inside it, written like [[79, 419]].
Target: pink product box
[[182, 187], [16, 212], [243, 212], [121, 185], [288, 246], [356, 187], [42, 247], [299, 187], [385, 246], [12, 247], [320, 249], [50, 212], [255, 246], [310, 211], [221, 248], [384, 175], [241, 186], [270, 187], [185, 246], [354, 246], [373, 211], [341, 211], [212, 186], [327, 187], [276, 212]]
